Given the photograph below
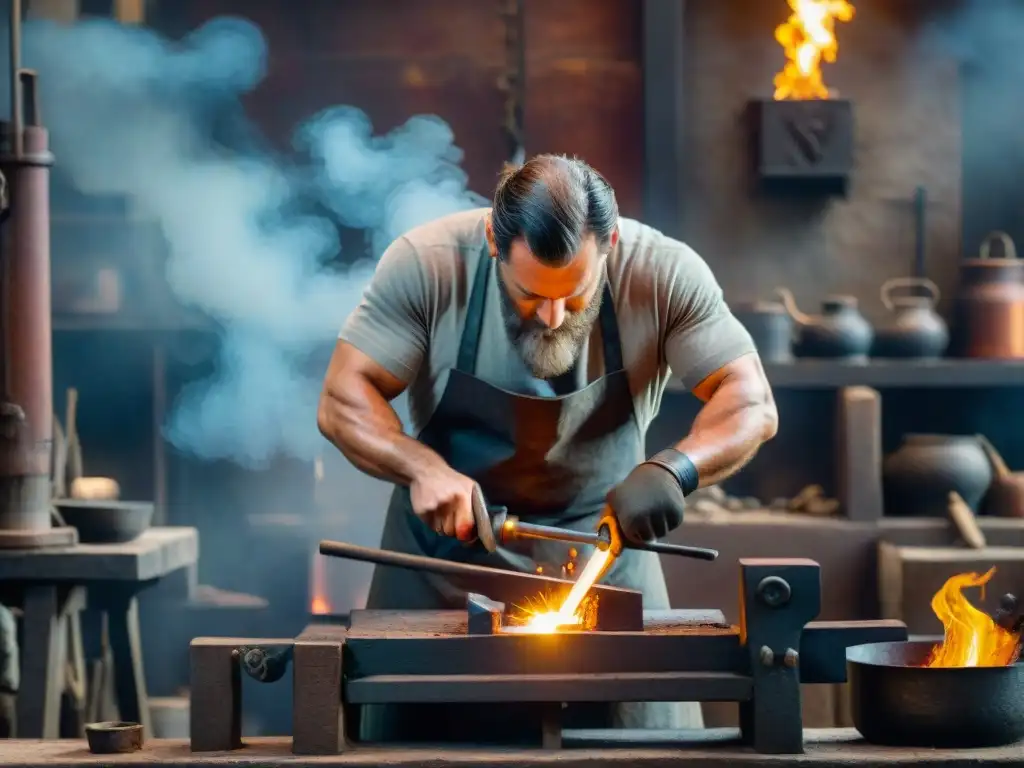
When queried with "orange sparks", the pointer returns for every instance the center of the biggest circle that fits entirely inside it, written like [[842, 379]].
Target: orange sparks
[[575, 612], [808, 38]]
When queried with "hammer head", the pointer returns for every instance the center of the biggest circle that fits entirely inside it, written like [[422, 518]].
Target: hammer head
[[489, 521]]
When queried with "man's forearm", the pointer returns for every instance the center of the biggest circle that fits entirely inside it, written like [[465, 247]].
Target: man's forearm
[[733, 424], [368, 432]]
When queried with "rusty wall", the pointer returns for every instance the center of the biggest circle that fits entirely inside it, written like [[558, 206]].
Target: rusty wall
[[399, 58], [906, 107]]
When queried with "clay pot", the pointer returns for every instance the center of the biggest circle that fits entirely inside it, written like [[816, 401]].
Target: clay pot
[[918, 478], [840, 331], [914, 328]]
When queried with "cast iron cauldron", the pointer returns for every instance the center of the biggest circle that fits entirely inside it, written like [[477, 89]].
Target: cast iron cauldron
[[896, 702]]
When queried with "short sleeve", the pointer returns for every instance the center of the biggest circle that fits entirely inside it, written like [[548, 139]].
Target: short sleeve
[[701, 335], [391, 325]]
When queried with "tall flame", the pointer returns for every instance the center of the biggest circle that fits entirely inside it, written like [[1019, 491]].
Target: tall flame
[[808, 38], [972, 637]]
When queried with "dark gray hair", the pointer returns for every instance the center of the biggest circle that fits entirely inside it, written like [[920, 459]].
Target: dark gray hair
[[553, 202]]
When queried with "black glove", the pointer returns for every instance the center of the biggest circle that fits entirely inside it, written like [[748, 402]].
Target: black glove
[[648, 503]]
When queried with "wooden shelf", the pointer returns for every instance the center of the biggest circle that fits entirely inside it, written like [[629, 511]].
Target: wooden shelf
[[130, 322], [949, 373]]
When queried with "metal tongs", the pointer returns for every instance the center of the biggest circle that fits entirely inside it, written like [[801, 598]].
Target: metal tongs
[[495, 526]]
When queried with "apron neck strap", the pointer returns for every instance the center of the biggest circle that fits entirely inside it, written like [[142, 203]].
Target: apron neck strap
[[610, 332], [475, 315], [470, 343]]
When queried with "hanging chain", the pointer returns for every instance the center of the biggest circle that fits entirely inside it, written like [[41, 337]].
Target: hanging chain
[[513, 79]]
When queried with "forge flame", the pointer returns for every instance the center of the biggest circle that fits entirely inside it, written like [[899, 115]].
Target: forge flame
[[972, 638], [808, 38]]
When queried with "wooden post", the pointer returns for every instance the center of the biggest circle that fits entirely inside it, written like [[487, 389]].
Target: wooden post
[[859, 453], [130, 11]]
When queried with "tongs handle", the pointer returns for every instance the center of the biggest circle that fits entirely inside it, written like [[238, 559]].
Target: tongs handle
[[680, 550], [619, 542]]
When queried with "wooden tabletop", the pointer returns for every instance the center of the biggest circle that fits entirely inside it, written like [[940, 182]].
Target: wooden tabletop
[[156, 553], [826, 747]]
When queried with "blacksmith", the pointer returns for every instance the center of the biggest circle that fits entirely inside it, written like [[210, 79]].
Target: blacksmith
[[535, 339]]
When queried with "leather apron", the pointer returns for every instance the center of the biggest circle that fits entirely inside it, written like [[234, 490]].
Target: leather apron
[[550, 460]]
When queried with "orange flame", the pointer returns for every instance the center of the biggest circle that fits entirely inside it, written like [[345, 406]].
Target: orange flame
[[808, 38], [972, 638]]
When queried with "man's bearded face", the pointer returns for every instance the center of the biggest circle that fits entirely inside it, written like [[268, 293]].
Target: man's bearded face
[[549, 352]]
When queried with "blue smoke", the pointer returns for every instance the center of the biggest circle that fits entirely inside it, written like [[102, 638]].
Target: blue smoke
[[132, 114]]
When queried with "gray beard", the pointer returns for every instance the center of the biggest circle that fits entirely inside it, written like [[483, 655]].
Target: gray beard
[[549, 353]]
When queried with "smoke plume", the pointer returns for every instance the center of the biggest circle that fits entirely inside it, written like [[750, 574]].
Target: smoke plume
[[135, 115]]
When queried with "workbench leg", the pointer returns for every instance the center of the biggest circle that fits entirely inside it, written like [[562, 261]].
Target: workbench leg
[[78, 682], [215, 690], [45, 637], [318, 718], [551, 726], [129, 671]]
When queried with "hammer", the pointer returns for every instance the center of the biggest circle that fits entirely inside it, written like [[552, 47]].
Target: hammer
[[495, 526]]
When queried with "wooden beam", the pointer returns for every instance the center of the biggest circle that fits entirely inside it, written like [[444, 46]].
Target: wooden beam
[[663, 28]]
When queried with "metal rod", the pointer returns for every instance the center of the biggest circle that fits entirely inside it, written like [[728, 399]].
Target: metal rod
[[348, 551], [920, 206], [17, 118], [523, 530], [621, 608]]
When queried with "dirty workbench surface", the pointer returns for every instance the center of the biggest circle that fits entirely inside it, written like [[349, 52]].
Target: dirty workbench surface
[[397, 624], [156, 553], [838, 747]]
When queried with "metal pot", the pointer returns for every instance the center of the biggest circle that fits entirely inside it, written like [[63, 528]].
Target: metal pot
[[990, 303], [840, 331], [770, 326], [914, 328], [897, 702], [918, 477]]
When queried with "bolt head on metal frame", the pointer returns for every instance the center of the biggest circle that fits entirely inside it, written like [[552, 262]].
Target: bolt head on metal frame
[[774, 591]]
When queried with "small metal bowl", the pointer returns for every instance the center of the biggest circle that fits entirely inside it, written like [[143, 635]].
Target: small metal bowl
[[113, 738]]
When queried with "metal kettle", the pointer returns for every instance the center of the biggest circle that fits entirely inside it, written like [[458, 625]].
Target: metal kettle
[[840, 331], [914, 328]]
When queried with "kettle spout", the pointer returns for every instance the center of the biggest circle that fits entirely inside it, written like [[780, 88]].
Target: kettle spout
[[792, 309]]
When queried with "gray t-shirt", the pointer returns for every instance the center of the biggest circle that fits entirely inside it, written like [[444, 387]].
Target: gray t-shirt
[[669, 308]]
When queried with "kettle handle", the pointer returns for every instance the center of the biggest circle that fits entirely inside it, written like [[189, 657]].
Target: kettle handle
[[908, 282], [1009, 249]]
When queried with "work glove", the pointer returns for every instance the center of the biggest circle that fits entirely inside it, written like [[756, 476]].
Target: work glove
[[648, 503]]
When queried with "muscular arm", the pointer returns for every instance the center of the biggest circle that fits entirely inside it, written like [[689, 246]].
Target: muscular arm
[[738, 416], [714, 356], [355, 414]]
